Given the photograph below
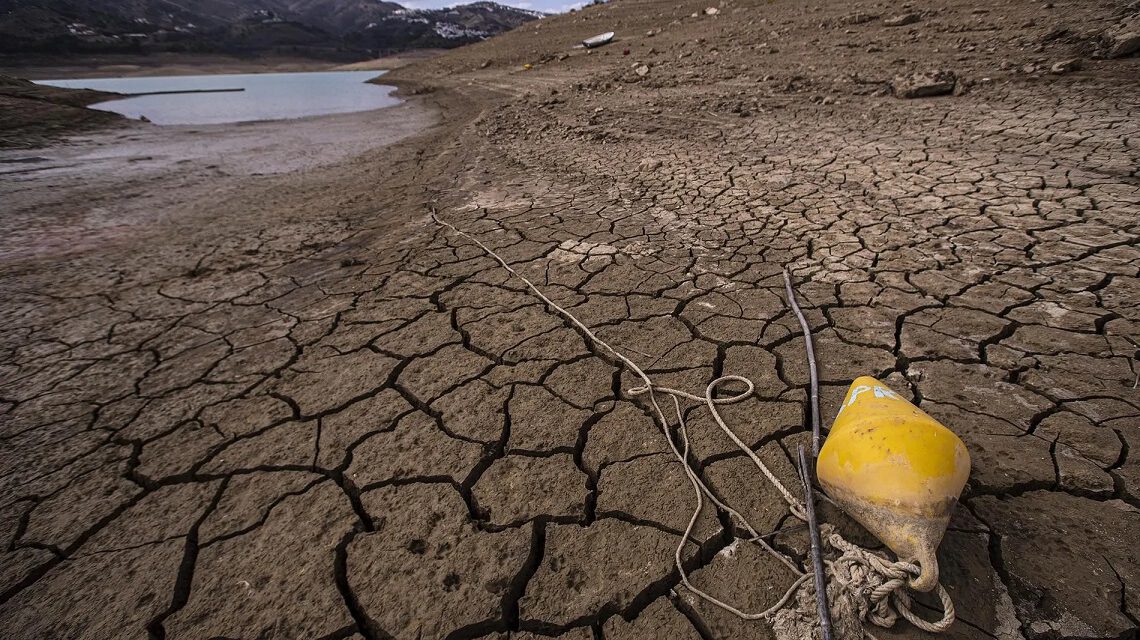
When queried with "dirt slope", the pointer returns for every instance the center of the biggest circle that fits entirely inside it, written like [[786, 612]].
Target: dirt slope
[[31, 115]]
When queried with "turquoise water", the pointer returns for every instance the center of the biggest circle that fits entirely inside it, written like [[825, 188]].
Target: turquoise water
[[267, 96]]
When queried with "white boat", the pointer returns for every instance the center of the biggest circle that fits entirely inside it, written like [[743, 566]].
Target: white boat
[[598, 40]]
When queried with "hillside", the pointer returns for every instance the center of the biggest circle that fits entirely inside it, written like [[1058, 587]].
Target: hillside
[[338, 29]]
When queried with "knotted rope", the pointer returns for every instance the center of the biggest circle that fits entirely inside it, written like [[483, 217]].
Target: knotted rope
[[870, 587], [884, 583]]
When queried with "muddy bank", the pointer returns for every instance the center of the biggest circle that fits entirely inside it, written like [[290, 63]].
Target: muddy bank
[[395, 61], [119, 185], [32, 115]]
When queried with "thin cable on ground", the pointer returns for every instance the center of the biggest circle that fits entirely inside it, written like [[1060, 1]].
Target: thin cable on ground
[[875, 587]]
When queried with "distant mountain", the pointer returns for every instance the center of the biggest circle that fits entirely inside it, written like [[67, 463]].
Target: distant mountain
[[330, 28]]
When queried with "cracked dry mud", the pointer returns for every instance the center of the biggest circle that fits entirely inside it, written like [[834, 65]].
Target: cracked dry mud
[[295, 408]]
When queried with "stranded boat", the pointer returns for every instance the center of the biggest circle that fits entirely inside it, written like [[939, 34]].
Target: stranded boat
[[598, 40]]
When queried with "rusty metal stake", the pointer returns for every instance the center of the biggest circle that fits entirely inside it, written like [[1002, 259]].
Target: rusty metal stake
[[816, 552], [816, 442]]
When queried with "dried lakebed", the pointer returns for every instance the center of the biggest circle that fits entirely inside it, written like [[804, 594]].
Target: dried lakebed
[[297, 408]]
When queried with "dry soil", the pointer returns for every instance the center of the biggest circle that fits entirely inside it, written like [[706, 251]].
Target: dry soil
[[290, 406]]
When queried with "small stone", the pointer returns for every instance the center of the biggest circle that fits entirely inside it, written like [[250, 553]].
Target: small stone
[[1029, 68], [1066, 66], [1123, 41], [901, 20], [485, 64], [650, 164], [924, 84], [642, 70], [711, 11], [650, 33], [858, 17]]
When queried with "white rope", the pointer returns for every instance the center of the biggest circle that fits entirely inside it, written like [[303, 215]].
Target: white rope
[[861, 571], [861, 568]]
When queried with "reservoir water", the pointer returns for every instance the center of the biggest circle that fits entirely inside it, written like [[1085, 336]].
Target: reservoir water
[[266, 96]]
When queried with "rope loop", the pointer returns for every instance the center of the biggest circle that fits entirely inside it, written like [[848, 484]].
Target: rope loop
[[710, 391], [903, 601], [877, 587]]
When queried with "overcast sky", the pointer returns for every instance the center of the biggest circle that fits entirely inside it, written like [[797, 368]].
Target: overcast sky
[[549, 6]]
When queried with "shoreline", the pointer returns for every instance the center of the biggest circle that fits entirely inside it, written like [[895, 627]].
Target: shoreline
[[179, 164], [34, 116]]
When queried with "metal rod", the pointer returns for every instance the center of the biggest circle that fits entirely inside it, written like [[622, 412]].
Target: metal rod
[[815, 429], [816, 553]]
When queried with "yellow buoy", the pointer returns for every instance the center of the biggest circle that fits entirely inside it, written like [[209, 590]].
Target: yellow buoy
[[896, 470]]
